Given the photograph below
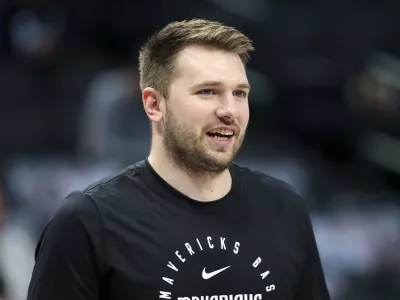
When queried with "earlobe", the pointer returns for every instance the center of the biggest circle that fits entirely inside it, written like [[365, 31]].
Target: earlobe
[[151, 103]]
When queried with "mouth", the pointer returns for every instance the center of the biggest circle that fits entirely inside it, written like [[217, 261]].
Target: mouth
[[221, 136]]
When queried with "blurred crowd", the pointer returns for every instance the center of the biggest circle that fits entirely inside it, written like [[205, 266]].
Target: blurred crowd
[[325, 117]]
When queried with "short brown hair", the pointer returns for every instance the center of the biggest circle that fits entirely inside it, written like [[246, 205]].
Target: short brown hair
[[157, 57]]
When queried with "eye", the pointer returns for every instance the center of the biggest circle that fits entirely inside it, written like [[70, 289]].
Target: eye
[[240, 94], [207, 92]]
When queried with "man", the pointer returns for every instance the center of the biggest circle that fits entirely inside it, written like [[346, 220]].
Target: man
[[186, 223]]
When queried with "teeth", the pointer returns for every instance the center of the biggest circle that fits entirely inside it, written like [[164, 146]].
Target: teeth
[[223, 131], [221, 138]]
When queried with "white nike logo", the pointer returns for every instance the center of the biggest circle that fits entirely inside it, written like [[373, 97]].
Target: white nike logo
[[212, 274]]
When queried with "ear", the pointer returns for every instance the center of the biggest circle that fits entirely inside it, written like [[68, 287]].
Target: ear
[[151, 103]]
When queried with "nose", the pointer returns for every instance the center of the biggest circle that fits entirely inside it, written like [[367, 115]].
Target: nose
[[227, 109]]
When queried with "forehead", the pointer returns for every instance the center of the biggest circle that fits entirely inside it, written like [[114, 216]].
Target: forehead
[[196, 64]]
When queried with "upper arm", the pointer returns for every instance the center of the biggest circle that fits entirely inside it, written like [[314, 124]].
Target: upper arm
[[312, 284], [69, 254]]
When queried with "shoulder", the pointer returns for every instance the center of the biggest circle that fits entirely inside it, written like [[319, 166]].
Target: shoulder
[[76, 215], [124, 192], [271, 193], [86, 204], [118, 180], [122, 187], [77, 210], [262, 182], [85, 211]]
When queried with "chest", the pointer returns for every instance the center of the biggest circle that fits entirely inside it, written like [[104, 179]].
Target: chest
[[192, 257]]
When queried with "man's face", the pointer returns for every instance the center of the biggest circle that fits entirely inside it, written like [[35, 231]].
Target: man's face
[[207, 111]]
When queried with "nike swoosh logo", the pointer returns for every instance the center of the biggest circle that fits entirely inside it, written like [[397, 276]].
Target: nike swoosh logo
[[212, 274]]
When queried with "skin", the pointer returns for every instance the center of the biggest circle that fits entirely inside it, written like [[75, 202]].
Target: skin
[[211, 90]]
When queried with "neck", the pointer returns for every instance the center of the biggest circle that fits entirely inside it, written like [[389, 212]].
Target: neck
[[205, 187]]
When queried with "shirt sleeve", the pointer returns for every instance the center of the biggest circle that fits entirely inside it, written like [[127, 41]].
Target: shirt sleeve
[[68, 257], [312, 284]]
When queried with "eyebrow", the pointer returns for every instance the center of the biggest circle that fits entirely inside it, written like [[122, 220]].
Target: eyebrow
[[218, 83]]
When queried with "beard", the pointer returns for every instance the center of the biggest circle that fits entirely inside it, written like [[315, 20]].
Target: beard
[[192, 152]]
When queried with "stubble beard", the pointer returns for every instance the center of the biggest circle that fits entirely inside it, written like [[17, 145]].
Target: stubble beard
[[190, 153]]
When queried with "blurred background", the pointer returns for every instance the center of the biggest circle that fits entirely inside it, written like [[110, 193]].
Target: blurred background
[[325, 107]]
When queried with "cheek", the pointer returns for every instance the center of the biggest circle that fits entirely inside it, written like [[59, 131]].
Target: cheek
[[192, 119], [197, 114], [244, 114]]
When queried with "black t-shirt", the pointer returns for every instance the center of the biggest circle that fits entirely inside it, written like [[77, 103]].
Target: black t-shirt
[[133, 236]]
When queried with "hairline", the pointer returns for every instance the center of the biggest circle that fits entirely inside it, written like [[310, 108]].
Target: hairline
[[174, 61]]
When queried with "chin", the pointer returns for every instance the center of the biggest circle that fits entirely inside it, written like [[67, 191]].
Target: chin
[[221, 161]]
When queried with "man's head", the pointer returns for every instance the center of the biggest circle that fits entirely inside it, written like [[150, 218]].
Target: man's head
[[195, 92]]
